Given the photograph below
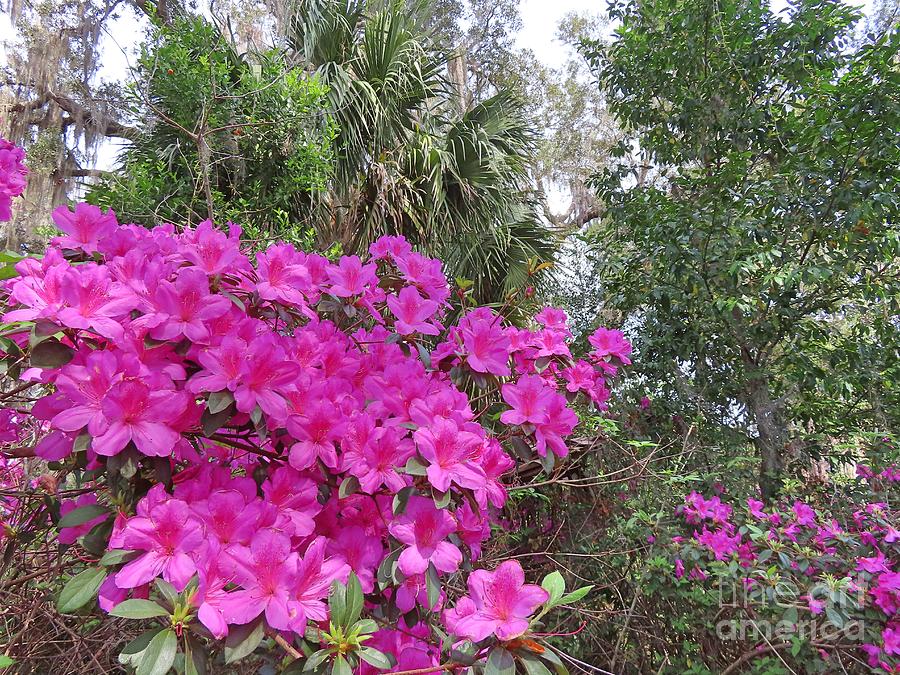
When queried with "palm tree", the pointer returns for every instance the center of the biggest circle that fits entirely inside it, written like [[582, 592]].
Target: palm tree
[[409, 160]]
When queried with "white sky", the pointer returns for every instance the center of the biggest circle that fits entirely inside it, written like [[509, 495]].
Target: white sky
[[540, 18]]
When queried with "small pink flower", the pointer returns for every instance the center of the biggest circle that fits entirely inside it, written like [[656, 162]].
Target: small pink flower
[[84, 227], [412, 312], [499, 603], [423, 529]]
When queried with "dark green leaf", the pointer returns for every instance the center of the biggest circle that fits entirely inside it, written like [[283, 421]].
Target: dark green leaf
[[499, 662], [82, 514], [80, 589], [159, 655], [243, 640], [51, 354], [138, 609]]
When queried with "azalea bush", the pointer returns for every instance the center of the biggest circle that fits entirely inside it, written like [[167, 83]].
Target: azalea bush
[[820, 585], [286, 454]]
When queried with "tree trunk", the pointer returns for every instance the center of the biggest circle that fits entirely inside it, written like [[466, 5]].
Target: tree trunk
[[772, 436]]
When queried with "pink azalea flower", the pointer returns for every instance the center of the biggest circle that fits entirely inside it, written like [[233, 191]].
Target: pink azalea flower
[[213, 251], [229, 517], [84, 228], [412, 312], [94, 301], [561, 422], [494, 463], [210, 596], [580, 377], [135, 413], [283, 276], [350, 277], [485, 342], [873, 564], [805, 515], [315, 573], [554, 319], [423, 529], [361, 552], [223, 366], [815, 606], [425, 273], [184, 307], [267, 573], [169, 535], [886, 592], [295, 496], [12, 176], [266, 377], [451, 454], [756, 509], [317, 430], [530, 399], [473, 529], [388, 246], [85, 387], [502, 603], [375, 463], [610, 343], [891, 638], [719, 543]]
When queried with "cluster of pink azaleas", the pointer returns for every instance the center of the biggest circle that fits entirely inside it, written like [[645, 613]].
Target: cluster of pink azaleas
[[307, 418], [12, 176], [840, 571]]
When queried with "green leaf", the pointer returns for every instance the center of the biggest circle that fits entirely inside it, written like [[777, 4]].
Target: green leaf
[[835, 617], [500, 662], [194, 657], [117, 556], [441, 499], [533, 666], [341, 666], [432, 586], [401, 499], [131, 653], [167, 590], [243, 640], [159, 655], [82, 514], [80, 589], [575, 595], [5, 661], [51, 354], [349, 486], [219, 401], [555, 586], [354, 600], [424, 355], [551, 657], [138, 609], [365, 626], [548, 462], [414, 467], [212, 422], [376, 658], [337, 602], [316, 659]]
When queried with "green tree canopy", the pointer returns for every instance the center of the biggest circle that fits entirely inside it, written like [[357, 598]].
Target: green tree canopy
[[754, 244]]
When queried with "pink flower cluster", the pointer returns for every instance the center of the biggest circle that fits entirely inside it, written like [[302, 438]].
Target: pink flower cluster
[[308, 427], [12, 176], [809, 547]]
